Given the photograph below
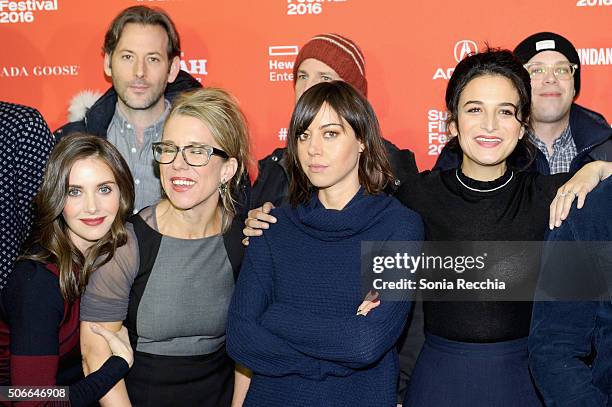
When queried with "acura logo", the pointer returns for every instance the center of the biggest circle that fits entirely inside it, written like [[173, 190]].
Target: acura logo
[[464, 48]]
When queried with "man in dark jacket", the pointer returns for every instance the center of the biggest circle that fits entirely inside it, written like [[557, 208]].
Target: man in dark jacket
[[570, 344], [566, 135], [326, 57], [141, 56]]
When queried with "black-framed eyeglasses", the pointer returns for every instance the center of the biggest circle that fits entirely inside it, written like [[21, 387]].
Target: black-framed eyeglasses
[[561, 70], [196, 155]]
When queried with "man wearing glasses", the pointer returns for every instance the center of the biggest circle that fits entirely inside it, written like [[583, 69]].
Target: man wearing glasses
[[566, 135]]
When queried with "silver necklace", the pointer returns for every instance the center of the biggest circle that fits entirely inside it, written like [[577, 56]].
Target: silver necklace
[[484, 190]]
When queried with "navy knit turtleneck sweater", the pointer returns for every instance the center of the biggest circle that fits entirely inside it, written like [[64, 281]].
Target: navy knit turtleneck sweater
[[292, 319]]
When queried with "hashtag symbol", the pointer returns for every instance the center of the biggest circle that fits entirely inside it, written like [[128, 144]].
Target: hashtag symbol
[[282, 134]]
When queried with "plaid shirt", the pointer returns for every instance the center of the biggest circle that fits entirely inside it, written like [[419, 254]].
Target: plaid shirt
[[564, 151], [139, 158]]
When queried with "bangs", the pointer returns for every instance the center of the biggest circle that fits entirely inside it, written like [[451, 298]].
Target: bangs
[[305, 111]]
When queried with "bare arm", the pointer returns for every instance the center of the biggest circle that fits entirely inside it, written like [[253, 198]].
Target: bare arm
[[96, 351], [242, 381]]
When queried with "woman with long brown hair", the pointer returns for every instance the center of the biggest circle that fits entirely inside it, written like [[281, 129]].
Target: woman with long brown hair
[[292, 320], [85, 198]]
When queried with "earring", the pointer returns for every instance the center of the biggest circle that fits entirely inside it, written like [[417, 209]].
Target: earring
[[223, 187]]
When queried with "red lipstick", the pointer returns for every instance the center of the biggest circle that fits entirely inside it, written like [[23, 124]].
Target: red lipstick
[[93, 221]]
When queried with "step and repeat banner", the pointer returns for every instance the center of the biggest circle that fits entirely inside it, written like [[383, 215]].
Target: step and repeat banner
[[51, 51]]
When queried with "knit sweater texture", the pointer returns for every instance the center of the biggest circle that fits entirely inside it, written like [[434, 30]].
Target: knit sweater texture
[[292, 318]]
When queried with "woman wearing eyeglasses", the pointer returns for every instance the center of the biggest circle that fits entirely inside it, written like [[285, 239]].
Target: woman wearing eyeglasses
[[174, 290]]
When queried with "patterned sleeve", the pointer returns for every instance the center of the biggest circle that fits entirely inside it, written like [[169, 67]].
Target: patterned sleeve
[[26, 143], [107, 294]]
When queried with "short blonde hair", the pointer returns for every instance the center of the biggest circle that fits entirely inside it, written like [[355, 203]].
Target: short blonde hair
[[220, 112]]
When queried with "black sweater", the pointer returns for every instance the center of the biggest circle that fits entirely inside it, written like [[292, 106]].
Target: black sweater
[[43, 332], [516, 211]]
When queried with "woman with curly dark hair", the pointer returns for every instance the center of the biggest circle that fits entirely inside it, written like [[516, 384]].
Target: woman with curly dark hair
[[475, 352]]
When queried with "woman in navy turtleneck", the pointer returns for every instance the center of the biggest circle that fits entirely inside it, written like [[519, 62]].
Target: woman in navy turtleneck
[[292, 319]]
